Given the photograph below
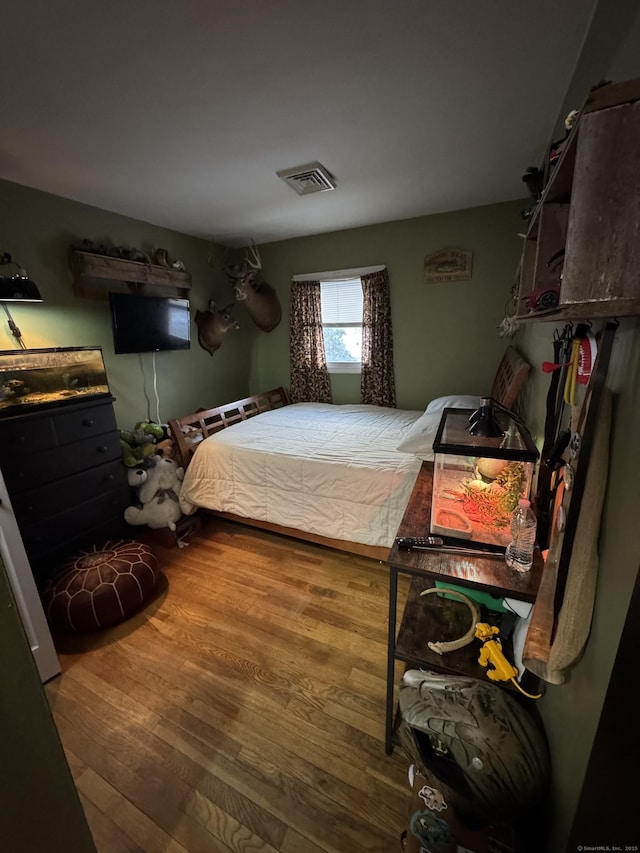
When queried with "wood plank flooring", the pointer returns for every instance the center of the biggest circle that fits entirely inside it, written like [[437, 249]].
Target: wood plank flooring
[[242, 709]]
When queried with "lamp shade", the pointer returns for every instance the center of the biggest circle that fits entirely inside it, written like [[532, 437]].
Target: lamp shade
[[483, 422], [18, 288]]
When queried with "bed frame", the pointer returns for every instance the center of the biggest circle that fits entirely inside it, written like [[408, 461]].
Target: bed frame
[[510, 376], [187, 433]]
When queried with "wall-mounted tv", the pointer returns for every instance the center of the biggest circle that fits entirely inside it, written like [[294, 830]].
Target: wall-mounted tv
[[149, 323]]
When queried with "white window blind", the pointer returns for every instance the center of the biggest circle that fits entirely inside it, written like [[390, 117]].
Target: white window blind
[[341, 305], [341, 302]]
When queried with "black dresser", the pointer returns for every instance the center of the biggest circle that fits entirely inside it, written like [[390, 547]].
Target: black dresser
[[64, 473]]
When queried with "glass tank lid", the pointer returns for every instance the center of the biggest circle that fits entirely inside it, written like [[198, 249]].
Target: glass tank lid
[[514, 442]]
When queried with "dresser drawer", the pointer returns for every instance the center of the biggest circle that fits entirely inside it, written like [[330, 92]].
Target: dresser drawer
[[77, 424], [34, 505], [26, 435], [46, 562], [42, 431], [71, 525], [47, 466]]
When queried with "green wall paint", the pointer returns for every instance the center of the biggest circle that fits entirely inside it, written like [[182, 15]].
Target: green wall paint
[[571, 711], [37, 229], [445, 339], [445, 335], [40, 808]]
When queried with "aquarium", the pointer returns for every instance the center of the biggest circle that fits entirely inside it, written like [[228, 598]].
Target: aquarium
[[478, 481], [32, 378]]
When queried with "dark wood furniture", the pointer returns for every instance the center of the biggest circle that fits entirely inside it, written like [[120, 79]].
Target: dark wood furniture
[[582, 236], [425, 620], [66, 481], [95, 275]]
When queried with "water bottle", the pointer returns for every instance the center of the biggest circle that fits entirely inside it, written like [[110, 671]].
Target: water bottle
[[519, 553]]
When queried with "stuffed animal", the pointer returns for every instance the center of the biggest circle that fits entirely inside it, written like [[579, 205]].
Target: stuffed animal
[[135, 455], [166, 448], [139, 444], [136, 476], [158, 493]]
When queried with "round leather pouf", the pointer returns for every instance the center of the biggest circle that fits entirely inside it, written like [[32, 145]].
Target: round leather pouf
[[101, 586]]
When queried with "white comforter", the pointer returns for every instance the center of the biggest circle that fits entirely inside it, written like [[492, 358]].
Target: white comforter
[[326, 469]]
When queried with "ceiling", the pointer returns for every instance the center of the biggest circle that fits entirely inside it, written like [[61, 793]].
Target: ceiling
[[181, 113]]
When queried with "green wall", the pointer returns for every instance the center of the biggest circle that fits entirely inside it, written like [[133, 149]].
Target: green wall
[[445, 340], [445, 334], [40, 809], [37, 229], [571, 711]]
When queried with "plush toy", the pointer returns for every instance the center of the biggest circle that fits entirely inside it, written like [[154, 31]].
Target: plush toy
[[166, 448], [136, 476], [150, 428], [159, 488], [140, 443], [134, 455]]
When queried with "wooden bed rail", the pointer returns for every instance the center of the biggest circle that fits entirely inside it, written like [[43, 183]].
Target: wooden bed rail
[[187, 432]]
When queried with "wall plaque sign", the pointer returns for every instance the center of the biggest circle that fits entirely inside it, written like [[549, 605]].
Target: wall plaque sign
[[448, 265]]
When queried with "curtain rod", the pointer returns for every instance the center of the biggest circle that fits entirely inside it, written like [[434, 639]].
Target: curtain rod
[[338, 275]]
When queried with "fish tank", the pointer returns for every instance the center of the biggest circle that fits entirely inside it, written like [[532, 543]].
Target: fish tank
[[478, 480], [32, 378]]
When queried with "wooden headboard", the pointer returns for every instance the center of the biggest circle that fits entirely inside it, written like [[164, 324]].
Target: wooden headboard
[[187, 432], [509, 378]]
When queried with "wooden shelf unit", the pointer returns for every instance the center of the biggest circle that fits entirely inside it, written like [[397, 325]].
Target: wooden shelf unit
[[583, 235], [434, 618], [95, 275]]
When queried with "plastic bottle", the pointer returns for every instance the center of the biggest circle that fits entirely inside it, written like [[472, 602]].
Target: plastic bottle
[[519, 553]]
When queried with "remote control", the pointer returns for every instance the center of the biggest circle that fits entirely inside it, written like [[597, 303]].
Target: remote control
[[437, 543], [406, 543]]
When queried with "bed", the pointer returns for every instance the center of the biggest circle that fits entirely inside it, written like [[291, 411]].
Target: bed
[[337, 475]]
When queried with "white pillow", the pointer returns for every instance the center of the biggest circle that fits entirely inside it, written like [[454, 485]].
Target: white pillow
[[464, 401], [419, 438]]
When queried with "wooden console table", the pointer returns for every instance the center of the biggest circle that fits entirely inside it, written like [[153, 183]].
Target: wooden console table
[[424, 620]]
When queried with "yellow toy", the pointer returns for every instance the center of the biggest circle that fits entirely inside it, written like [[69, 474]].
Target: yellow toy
[[491, 653]]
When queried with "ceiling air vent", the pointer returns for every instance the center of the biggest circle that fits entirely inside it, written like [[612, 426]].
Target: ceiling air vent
[[310, 178]]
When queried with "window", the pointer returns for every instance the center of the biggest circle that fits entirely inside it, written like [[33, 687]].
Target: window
[[341, 303]]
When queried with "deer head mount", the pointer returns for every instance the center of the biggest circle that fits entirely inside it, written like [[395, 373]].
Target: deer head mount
[[259, 298], [213, 325]]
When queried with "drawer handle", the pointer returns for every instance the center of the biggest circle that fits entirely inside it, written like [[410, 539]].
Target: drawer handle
[[102, 448], [109, 477], [87, 422]]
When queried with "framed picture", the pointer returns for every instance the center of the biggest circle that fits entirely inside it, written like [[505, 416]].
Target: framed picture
[[448, 265]]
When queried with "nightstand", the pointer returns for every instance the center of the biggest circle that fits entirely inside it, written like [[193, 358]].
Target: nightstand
[[424, 618]]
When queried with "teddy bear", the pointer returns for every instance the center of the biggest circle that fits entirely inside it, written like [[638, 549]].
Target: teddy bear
[[158, 491]]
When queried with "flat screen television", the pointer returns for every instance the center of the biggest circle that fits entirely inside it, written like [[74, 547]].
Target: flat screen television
[[149, 323]]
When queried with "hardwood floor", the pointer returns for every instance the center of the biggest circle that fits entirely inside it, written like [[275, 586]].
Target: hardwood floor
[[242, 709]]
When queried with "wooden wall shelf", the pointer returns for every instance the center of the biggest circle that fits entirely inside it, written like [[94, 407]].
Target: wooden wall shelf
[[582, 236], [95, 275]]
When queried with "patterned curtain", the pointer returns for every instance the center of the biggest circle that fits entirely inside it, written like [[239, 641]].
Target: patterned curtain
[[309, 375], [377, 385]]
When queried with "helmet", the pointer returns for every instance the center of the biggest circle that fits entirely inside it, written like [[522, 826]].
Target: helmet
[[486, 751]]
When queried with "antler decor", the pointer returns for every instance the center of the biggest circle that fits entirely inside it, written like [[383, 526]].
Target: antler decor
[[260, 299], [213, 325]]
